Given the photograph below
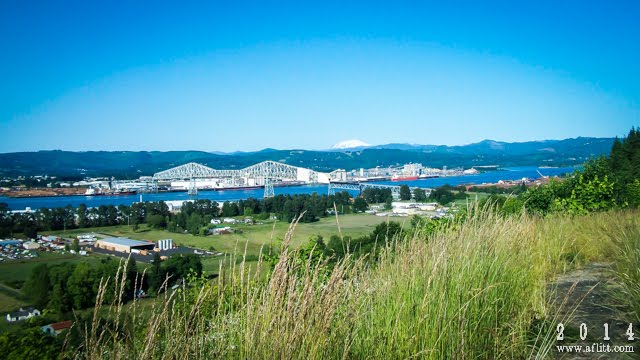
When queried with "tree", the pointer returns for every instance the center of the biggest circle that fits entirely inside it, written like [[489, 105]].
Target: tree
[[172, 226], [131, 274], [80, 286], [388, 204], [386, 231], [512, 205], [312, 251], [377, 196], [588, 196], [82, 216], [6, 221], [75, 245], [336, 247], [405, 192], [462, 194], [180, 266], [633, 193], [230, 209], [419, 194], [360, 204], [60, 299], [623, 166], [442, 195], [38, 286], [30, 343], [30, 231], [194, 223], [156, 275], [157, 221]]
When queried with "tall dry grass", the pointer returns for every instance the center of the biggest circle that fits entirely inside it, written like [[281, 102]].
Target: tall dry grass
[[474, 289]]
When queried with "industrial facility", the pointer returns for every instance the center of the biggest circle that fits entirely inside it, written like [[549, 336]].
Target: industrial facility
[[124, 245]]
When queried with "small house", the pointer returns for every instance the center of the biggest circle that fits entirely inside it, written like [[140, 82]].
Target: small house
[[22, 314], [56, 328]]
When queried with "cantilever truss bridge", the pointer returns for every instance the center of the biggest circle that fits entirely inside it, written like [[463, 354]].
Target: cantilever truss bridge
[[265, 173]]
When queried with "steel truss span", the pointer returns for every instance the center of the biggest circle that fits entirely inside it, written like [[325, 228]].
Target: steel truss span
[[395, 189], [264, 170]]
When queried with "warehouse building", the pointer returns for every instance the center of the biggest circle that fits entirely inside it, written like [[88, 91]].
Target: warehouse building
[[124, 245]]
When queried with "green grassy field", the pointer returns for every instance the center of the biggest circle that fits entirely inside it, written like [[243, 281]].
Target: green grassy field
[[252, 236], [473, 196], [9, 303]]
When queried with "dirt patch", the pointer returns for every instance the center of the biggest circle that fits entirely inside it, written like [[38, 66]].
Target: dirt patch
[[591, 296]]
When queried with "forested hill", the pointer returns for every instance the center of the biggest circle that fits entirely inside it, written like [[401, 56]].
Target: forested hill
[[133, 164]]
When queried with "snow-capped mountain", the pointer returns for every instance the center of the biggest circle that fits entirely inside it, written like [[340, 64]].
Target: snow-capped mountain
[[349, 144]]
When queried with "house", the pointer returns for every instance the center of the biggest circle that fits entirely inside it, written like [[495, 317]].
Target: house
[[141, 294], [229, 221], [56, 328], [22, 314], [215, 221], [248, 221]]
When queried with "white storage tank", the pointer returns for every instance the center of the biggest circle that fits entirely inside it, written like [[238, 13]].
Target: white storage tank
[[165, 244]]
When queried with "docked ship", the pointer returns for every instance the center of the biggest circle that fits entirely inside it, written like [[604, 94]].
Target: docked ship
[[428, 176], [100, 192]]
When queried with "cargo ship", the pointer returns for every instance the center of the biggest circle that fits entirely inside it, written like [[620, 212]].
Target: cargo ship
[[428, 176], [404, 178], [99, 192]]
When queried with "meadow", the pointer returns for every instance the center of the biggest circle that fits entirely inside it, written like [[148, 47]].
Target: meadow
[[251, 238], [254, 236]]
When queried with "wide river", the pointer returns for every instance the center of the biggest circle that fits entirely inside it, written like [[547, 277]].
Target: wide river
[[514, 173]]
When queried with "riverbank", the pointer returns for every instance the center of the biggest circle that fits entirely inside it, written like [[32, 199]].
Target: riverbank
[[40, 192]]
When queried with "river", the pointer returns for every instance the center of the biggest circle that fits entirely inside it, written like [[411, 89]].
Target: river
[[513, 173]]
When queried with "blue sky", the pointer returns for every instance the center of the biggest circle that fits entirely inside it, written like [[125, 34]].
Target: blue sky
[[215, 77]]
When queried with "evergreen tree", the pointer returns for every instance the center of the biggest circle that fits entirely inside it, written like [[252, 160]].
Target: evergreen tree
[[360, 204], [81, 211], [38, 286], [419, 194], [405, 192]]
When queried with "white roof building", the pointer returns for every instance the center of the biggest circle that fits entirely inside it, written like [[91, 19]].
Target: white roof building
[[30, 245]]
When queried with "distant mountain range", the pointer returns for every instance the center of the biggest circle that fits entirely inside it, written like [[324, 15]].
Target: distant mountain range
[[129, 164]]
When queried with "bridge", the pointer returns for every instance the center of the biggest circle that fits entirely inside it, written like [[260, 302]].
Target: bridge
[[261, 174], [359, 187]]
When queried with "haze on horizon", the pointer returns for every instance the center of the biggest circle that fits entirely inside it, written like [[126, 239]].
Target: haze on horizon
[[220, 77]]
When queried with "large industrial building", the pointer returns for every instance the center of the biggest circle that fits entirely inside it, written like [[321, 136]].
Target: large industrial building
[[124, 245]]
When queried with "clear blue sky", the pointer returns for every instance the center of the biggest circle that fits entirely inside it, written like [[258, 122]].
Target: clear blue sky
[[91, 75]]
